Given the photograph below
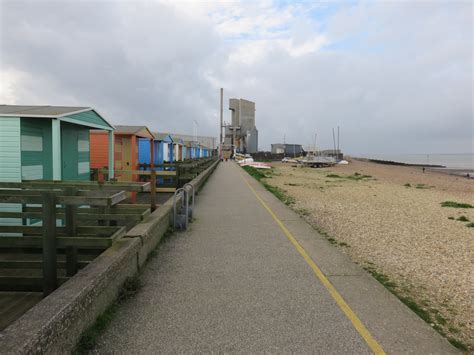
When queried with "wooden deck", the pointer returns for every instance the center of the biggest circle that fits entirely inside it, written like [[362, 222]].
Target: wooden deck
[[14, 304]]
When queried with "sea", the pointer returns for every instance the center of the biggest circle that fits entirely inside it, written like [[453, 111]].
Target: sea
[[463, 161]]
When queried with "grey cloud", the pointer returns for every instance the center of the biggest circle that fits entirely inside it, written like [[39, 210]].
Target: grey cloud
[[134, 62], [405, 86]]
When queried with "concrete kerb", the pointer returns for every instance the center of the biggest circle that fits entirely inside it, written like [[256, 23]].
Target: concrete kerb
[[56, 323]]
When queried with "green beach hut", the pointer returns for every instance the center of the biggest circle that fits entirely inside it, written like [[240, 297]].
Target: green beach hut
[[48, 142]]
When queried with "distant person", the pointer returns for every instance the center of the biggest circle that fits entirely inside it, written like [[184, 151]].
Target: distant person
[[423, 170], [468, 176]]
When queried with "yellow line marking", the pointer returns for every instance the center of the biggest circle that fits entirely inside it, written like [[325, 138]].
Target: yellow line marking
[[356, 322]]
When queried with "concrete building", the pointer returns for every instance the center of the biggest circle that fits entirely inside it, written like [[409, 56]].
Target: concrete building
[[242, 132], [287, 149]]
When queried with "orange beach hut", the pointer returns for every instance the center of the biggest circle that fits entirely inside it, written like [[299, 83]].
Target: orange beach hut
[[125, 149]]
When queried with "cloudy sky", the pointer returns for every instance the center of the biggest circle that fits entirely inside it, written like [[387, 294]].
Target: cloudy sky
[[395, 76]]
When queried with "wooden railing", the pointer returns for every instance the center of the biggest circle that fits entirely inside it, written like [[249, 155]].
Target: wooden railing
[[167, 177], [60, 219]]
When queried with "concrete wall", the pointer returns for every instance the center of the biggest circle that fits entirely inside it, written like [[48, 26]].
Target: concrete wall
[[56, 323], [252, 141], [243, 117]]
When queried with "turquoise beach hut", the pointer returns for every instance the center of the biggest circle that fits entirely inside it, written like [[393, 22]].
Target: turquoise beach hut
[[48, 142]]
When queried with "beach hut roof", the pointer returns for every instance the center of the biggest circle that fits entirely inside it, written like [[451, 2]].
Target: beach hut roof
[[160, 136], [176, 138], [85, 116], [140, 131]]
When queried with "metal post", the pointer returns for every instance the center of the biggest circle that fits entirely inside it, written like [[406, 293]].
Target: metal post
[[194, 197], [71, 228], [185, 202], [49, 243]]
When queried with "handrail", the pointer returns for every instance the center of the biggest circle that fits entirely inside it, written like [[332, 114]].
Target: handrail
[[186, 202]]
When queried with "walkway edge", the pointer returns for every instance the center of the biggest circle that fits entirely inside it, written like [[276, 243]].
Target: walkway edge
[[350, 314], [396, 328]]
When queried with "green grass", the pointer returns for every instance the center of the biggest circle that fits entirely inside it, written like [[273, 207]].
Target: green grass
[[331, 240], [462, 219], [256, 173], [440, 319], [276, 191], [458, 344], [421, 186], [303, 212], [427, 314], [420, 312], [456, 204], [383, 279], [89, 338], [355, 177]]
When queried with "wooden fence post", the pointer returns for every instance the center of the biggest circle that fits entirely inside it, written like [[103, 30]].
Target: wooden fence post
[[71, 228], [153, 189], [50, 281]]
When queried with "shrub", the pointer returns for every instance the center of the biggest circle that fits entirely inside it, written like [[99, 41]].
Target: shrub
[[456, 204]]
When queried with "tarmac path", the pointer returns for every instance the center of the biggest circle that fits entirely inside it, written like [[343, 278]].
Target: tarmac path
[[250, 276]]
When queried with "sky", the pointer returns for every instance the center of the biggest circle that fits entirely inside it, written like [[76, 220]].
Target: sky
[[395, 76]]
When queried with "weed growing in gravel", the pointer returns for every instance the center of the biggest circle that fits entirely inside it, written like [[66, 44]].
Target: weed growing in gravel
[[440, 319], [462, 219], [407, 184], [421, 186], [303, 212], [450, 217], [256, 173], [424, 313], [456, 204], [383, 279], [356, 176], [458, 344], [470, 225], [280, 194]]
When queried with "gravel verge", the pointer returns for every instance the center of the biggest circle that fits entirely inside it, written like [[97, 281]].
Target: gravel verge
[[389, 219]]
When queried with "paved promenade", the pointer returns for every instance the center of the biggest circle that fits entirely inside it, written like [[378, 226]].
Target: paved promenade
[[251, 276]]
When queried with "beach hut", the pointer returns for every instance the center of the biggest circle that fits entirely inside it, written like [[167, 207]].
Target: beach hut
[[126, 149], [48, 142], [161, 143], [178, 145]]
